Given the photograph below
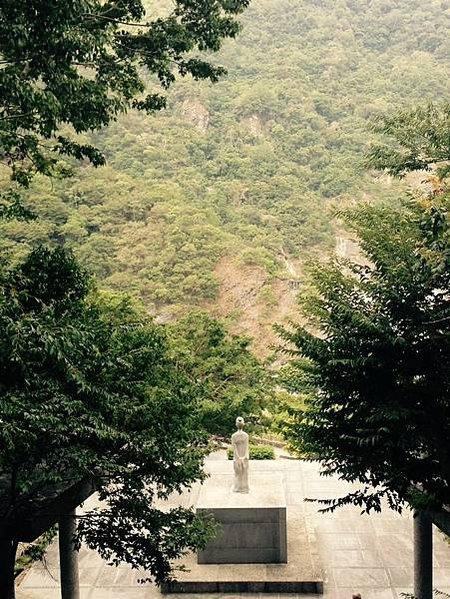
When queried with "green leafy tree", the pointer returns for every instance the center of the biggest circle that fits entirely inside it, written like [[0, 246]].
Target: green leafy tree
[[416, 139], [374, 360], [231, 379], [76, 65], [88, 390]]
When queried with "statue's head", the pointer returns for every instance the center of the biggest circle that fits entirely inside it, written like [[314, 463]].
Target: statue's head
[[240, 422]]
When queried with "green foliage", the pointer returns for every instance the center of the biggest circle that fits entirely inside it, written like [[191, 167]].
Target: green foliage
[[88, 388], [244, 170], [290, 397], [231, 380], [35, 551], [417, 139], [257, 452], [375, 358], [259, 257], [12, 208], [262, 452], [79, 64]]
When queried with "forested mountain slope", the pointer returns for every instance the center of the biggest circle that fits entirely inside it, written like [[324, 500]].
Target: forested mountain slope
[[217, 201]]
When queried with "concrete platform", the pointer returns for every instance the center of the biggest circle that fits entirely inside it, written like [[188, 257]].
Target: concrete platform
[[268, 491], [252, 525]]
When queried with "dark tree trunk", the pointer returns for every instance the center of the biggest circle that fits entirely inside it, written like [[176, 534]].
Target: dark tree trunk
[[68, 557], [8, 549], [423, 555]]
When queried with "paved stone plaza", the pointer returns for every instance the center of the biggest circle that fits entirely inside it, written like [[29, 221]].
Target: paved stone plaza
[[372, 554]]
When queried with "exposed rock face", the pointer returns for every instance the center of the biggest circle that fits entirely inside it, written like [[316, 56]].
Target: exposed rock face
[[254, 302], [197, 114], [254, 125], [348, 248]]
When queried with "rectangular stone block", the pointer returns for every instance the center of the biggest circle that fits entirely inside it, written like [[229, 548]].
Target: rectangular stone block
[[239, 534], [240, 555], [240, 586], [244, 515], [252, 526]]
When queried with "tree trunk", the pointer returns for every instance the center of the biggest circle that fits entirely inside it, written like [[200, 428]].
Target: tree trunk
[[68, 557], [8, 549], [423, 555]]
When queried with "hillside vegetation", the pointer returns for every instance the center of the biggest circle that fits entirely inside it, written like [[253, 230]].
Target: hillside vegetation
[[217, 201]]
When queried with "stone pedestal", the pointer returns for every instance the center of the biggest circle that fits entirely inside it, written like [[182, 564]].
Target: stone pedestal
[[252, 525]]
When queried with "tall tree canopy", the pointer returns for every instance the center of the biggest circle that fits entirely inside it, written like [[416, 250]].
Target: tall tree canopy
[[417, 140], [74, 65], [88, 389], [232, 381], [374, 361]]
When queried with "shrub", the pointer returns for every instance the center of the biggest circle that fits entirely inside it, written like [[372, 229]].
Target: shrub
[[262, 452], [257, 452]]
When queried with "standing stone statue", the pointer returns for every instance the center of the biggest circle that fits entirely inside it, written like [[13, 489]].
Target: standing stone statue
[[239, 441]]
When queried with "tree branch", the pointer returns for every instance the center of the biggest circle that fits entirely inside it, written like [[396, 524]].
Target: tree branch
[[438, 320], [93, 17], [16, 116]]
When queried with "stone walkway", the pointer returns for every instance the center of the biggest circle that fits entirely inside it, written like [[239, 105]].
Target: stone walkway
[[371, 555]]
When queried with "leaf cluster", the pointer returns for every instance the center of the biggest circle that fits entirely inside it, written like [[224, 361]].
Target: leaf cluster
[[75, 65], [232, 381], [88, 390], [416, 139], [374, 358]]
